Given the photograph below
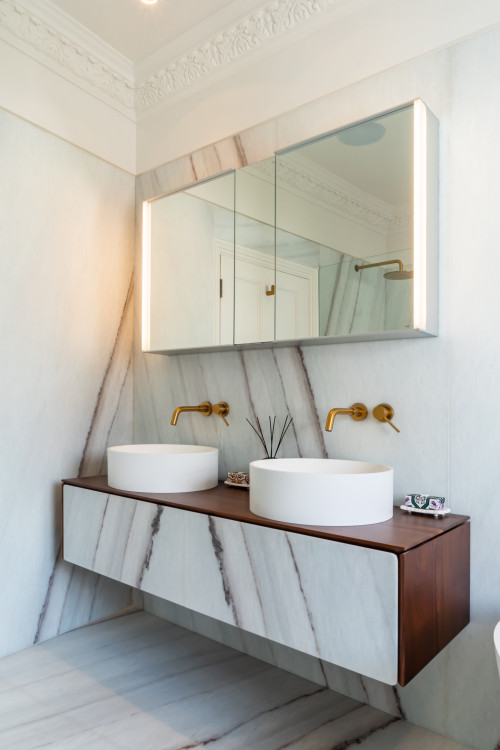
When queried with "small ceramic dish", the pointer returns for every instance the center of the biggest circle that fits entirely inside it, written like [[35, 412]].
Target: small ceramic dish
[[426, 511]]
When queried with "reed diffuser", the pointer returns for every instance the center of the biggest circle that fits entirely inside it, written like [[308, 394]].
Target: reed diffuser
[[272, 450]]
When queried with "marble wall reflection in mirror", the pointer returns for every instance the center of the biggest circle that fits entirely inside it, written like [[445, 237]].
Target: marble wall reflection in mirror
[[331, 240]]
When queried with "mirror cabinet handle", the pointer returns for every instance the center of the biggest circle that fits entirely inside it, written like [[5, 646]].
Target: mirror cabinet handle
[[270, 292]]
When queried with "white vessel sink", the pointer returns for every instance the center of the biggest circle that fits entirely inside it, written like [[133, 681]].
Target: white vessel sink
[[162, 468], [321, 491]]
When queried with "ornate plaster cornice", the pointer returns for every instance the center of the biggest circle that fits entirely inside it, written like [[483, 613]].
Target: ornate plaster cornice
[[234, 42], [70, 56], [54, 39]]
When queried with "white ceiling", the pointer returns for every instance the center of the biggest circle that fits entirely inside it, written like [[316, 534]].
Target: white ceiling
[[137, 30]]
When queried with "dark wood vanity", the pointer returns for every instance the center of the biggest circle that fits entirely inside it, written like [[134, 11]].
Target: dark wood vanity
[[433, 560]]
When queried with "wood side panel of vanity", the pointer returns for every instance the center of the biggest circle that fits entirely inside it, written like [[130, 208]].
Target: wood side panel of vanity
[[434, 598]]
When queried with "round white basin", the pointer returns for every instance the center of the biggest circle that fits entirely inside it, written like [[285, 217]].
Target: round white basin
[[321, 491], [162, 468]]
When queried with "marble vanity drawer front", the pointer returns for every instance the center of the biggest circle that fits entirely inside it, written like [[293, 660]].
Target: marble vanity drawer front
[[326, 598]]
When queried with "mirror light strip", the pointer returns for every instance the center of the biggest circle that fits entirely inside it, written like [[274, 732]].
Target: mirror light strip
[[146, 274], [419, 214]]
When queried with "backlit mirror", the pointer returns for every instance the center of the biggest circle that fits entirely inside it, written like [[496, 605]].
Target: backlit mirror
[[330, 240], [254, 269], [344, 203], [186, 305]]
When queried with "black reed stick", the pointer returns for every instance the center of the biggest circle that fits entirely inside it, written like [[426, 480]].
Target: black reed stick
[[261, 433], [283, 431], [272, 426], [259, 436], [271, 430]]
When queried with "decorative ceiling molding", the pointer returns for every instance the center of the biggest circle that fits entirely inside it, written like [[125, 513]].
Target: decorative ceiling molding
[[55, 39], [65, 54], [323, 188], [262, 26], [42, 30]]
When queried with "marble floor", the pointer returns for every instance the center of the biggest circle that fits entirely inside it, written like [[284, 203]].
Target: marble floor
[[140, 682]]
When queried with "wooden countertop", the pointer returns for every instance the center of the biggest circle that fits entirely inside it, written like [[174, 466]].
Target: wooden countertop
[[400, 534]]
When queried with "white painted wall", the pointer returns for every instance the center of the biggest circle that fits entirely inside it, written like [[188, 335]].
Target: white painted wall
[[41, 96]]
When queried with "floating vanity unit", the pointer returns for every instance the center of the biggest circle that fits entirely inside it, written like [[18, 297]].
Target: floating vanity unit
[[380, 599]]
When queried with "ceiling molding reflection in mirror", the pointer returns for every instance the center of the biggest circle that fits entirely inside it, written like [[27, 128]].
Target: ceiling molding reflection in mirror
[[339, 195]]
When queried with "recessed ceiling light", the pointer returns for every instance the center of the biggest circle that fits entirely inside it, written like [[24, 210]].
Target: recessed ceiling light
[[149, 2]]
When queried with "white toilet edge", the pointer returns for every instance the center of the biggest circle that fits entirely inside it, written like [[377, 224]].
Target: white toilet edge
[[496, 639]]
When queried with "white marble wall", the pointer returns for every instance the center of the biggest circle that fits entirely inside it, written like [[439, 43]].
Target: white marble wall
[[329, 599], [443, 390], [66, 258]]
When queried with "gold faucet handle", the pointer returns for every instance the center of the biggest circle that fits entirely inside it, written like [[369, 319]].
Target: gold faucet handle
[[385, 413], [222, 409]]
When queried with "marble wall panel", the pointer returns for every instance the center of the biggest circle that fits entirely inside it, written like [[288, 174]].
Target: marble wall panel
[[66, 311], [332, 600], [443, 390]]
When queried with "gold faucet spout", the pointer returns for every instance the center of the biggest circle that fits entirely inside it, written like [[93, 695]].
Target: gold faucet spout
[[358, 412], [331, 417], [205, 408]]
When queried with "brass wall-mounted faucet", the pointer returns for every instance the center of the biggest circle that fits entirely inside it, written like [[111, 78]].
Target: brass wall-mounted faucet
[[205, 408], [384, 413], [358, 412]]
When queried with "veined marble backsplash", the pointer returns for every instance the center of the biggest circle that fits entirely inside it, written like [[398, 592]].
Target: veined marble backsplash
[[66, 305], [427, 381]]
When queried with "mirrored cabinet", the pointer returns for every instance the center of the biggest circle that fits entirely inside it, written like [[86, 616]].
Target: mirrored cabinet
[[334, 239]]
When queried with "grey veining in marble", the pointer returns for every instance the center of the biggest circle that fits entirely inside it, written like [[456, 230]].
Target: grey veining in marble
[[138, 681], [335, 601], [66, 318]]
